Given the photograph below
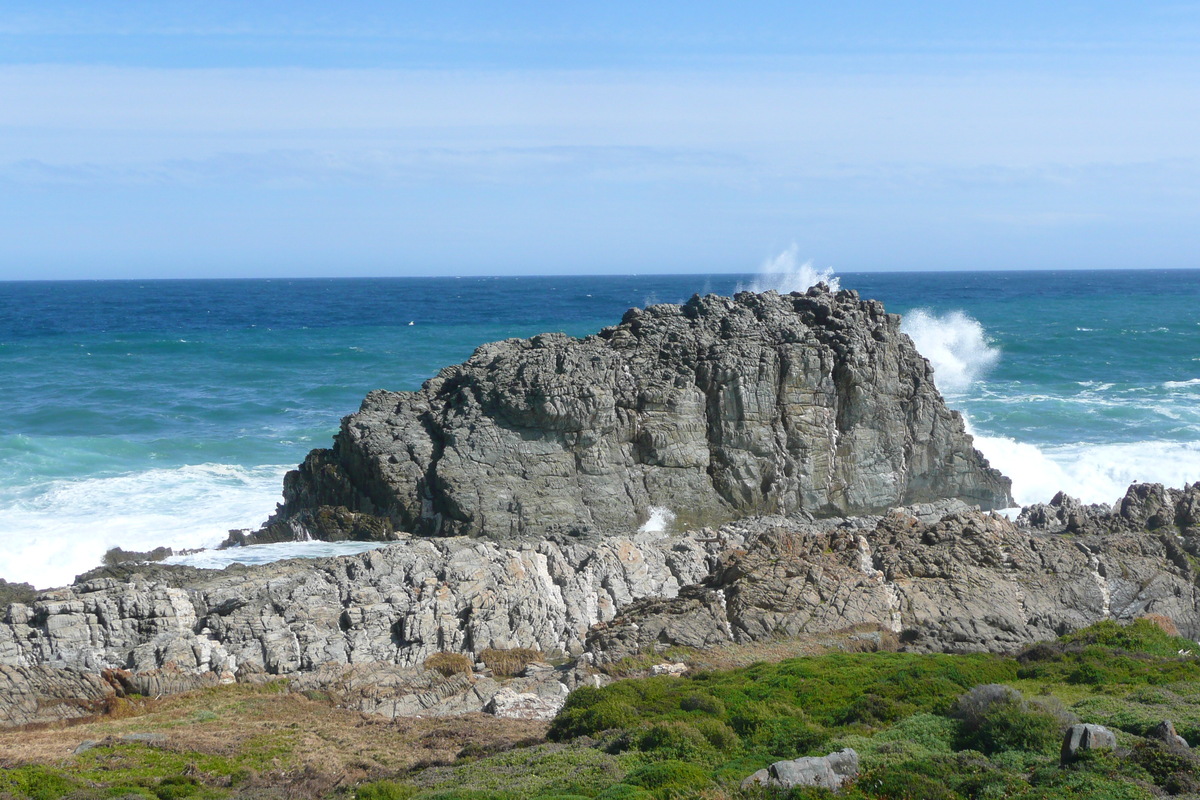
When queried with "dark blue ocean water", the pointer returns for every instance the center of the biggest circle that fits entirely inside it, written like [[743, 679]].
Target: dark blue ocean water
[[139, 413]]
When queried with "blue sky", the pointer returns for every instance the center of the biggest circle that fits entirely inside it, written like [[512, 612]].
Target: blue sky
[[232, 139]]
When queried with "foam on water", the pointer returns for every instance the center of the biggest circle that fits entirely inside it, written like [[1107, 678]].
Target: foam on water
[[955, 344], [660, 519], [63, 529], [1093, 473], [784, 273], [266, 553]]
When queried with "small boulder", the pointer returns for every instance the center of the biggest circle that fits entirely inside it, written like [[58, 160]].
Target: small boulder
[[1165, 732], [826, 772], [510, 704], [1086, 736], [674, 670]]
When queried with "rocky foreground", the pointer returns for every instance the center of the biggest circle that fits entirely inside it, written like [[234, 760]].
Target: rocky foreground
[[939, 577]]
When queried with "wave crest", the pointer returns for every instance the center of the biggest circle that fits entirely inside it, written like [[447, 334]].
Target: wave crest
[[955, 344]]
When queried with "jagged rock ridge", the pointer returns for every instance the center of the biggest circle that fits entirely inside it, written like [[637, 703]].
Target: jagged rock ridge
[[717, 409]]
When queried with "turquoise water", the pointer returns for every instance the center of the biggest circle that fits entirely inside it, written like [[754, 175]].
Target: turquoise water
[[166, 412]]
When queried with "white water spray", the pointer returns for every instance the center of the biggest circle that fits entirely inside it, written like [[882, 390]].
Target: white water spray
[[784, 273], [955, 344]]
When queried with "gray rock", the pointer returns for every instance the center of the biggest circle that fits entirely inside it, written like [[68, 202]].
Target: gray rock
[[825, 772], [1085, 736], [1165, 732], [676, 670], [716, 409], [971, 582], [508, 703], [84, 746]]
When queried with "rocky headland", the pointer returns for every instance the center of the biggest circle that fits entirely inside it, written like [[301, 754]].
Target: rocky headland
[[820, 484], [717, 409]]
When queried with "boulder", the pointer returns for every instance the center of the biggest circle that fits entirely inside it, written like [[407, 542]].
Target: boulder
[[1086, 736], [1165, 732], [825, 772]]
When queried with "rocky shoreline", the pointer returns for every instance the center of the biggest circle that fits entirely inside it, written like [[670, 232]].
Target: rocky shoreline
[[942, 577], [820, 484]]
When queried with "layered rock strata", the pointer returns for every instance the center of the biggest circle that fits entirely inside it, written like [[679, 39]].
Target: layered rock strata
[[941, 577], [717, 409]]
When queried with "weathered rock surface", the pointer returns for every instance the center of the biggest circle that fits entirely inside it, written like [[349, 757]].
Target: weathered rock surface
[[969, 582], [359, 627], [380, 613], [717, 409], [824, 772]]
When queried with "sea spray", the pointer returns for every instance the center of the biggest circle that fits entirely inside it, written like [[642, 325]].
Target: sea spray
[[660, 520], [1093, 473], [955, 344], [784, 273]]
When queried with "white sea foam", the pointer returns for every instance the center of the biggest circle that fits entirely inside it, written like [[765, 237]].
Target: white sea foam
[[660, 520], [955, 344], [784, 273], [1181, 384], [1094, 473], [266, 553], [49, 536]]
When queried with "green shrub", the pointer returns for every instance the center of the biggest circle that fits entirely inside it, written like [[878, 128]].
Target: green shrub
[[675, 740], [704, 703], [469, 794], [996, 718], [1014, 726], [676, 775], [719, 735], [623, 791], [789, 737], [35, 783], [1176, 772], [176, 787]]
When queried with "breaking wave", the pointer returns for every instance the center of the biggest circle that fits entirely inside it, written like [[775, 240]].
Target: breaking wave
[[785, 273], [955, 344], [49, 536], [1094, 473]]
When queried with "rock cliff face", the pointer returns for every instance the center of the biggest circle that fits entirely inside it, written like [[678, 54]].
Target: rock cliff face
[[717, 409], [942, 577]]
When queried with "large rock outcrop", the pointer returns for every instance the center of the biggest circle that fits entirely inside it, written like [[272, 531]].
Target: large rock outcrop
[[716, 409]]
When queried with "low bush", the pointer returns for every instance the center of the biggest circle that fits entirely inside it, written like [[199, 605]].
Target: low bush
[[997, 718], [672, 776], [677, 741]]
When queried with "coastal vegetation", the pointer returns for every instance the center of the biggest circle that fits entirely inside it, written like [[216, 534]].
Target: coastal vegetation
[[924, 726]]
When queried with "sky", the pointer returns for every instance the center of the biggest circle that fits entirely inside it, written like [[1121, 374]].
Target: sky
[[269, 139]]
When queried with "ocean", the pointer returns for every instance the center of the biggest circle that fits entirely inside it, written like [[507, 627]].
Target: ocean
[[147, 413]]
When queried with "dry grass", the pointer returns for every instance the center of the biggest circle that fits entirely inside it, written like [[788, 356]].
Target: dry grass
[[304, 738], [450, 664], [507, 663], [1165, 624]]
